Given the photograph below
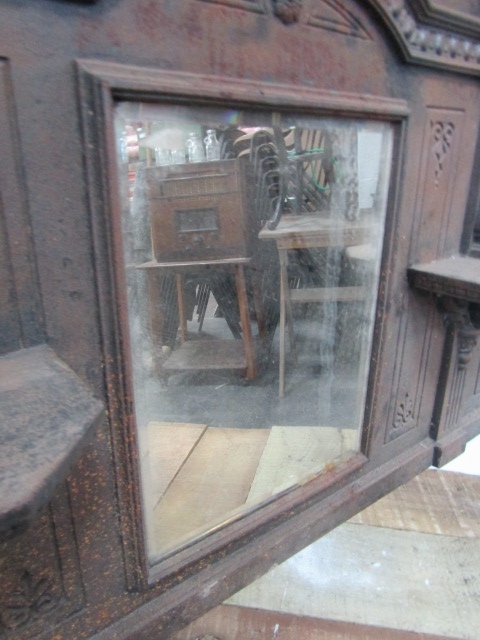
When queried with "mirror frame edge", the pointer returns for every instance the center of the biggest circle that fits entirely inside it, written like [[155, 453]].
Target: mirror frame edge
[[100, 85]]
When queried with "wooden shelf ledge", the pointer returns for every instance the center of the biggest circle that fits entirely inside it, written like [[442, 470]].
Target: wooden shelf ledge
[[455, 277], [46, 414], [197, 355], [328, 294]]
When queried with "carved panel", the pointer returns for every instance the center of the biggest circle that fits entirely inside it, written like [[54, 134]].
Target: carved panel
[[456, 392], [414, 345], [454, 399], [444, 287], [440, 150], [20, 315], [39, 574], [333, 16]]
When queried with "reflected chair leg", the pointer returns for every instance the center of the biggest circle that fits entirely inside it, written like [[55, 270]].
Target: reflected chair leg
[[202, 304], [181, 308], [258, 305], [245, 320], [283, 293], [286, 317], [289, 319]]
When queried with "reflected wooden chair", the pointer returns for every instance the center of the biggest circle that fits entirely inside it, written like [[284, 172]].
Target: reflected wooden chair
[[309, 232], [312, 215]]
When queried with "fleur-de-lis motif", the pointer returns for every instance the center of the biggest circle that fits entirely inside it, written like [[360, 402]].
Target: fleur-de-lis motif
[[404, 417], [33, 598]]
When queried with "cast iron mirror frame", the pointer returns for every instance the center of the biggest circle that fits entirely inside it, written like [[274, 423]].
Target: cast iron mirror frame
[[297, 516]]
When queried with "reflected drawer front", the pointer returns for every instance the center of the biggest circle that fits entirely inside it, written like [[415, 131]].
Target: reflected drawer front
[[198, 211]]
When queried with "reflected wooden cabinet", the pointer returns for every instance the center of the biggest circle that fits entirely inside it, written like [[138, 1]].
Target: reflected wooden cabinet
[[79, 553], [202, 231], [200, 210]]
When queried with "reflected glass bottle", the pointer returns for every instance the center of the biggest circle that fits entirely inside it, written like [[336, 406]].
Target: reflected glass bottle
[[212, 146], [123, 147], [195, 148]]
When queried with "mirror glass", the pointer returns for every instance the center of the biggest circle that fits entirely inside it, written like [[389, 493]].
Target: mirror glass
[[252, 244]]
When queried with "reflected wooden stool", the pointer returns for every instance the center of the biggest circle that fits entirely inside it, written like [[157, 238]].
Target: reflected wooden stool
[[200, 355]]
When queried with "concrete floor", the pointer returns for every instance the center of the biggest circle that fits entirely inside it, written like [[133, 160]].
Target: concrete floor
[[316, 394], [407, 567]]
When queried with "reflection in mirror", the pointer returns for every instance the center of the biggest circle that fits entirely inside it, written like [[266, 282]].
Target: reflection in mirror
[[252, 245]]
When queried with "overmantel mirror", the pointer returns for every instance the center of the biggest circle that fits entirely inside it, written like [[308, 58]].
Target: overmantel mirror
[[247, 241], [239, 224]]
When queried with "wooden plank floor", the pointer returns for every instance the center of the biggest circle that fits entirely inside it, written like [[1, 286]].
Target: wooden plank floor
[[169, 445], [294, 454], [406, 568], [228, 622], [198, 476], [213, 481], [435, 502]]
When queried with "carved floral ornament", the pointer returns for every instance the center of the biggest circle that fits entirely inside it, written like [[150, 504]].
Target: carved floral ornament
[[442, 132]]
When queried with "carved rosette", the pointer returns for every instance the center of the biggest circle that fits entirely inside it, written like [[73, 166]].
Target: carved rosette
[[287, 10]]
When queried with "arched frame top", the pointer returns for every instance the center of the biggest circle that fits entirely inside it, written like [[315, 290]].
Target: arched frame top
[[427, 32]]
